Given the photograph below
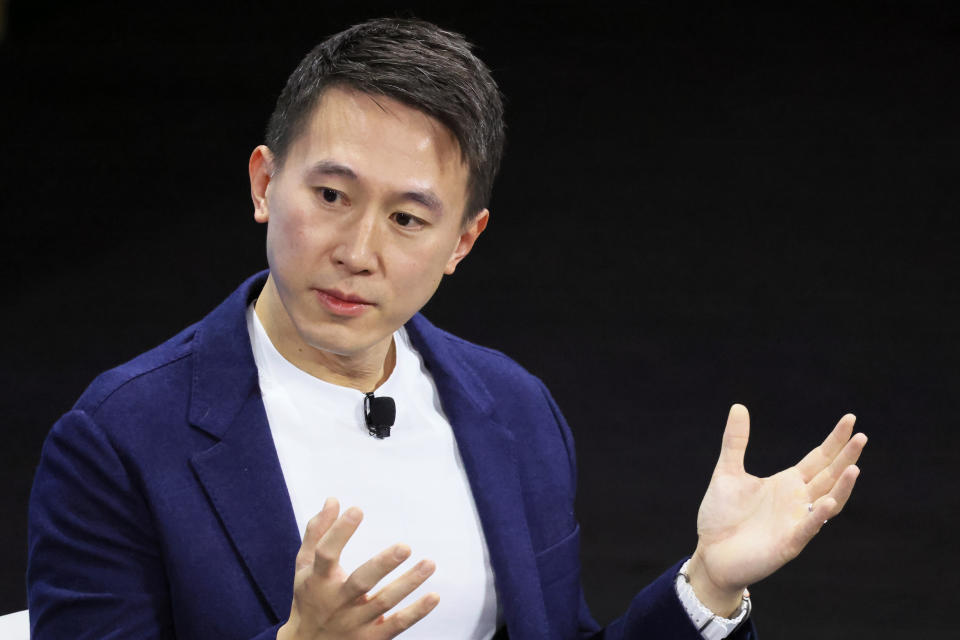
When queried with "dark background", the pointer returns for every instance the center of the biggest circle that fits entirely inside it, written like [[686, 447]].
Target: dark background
[[697, 206]]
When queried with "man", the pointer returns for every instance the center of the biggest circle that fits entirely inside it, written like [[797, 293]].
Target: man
[[192, 491]]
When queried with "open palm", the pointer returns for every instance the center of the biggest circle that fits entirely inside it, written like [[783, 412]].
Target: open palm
[[748, 526]]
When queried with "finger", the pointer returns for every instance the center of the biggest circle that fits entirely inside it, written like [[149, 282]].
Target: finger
[[735, 437], [316, 527], [825, 480], [815, 461], [810, 525], [824, 508], [408, 616], [373, 571], [326, 555], [391, 595], [842, 489]]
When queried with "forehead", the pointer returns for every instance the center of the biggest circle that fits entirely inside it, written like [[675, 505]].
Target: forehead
[[380, 137]]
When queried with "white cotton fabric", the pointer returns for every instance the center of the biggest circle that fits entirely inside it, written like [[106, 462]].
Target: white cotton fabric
[[411, 486]]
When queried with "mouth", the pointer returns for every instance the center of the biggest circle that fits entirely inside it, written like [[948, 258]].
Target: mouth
[[342, 304]]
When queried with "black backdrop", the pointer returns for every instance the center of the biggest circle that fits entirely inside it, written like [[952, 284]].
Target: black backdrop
[[697, 206]]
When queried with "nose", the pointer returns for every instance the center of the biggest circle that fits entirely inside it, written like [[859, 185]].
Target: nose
[[357, 249]]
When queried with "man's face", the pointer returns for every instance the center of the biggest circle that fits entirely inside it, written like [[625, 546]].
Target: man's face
[[365, 217]]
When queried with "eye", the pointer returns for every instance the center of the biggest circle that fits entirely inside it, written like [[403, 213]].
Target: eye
[[329, 195], [407, 221]]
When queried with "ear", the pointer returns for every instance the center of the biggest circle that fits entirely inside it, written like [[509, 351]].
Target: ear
[[261, 173], [468, 236]]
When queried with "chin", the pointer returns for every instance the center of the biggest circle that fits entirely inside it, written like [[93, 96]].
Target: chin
[[339, 340]]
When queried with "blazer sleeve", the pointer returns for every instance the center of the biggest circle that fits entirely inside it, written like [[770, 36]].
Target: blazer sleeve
[[656, 611], [95, 566]]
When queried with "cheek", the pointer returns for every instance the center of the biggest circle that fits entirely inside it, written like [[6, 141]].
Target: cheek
[[290, 236], [420, 274]]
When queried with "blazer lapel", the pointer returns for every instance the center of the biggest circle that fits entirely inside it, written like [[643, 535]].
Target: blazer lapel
[[241, 473], [488, 450]]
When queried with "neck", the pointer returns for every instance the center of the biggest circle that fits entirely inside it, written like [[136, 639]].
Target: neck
[[365, 370]]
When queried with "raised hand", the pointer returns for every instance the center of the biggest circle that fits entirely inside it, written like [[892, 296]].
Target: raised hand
[[749, 527], [328, 604]]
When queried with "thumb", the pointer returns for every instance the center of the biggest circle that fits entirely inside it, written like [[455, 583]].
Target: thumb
[[735, 437]]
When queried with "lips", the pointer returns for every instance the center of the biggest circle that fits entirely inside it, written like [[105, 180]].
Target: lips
[[343, 304], [346, 297]]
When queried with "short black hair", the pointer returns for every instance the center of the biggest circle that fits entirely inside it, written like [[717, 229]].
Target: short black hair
[[416, 63]]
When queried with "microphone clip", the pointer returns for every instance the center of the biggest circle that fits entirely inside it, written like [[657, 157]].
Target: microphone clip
[[379, 414]]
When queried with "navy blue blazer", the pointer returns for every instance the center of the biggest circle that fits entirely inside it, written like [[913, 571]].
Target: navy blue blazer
[[159, 508]]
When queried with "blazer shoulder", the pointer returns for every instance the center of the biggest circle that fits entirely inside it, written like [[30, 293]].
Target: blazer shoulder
[[139, 376], [490, 364]]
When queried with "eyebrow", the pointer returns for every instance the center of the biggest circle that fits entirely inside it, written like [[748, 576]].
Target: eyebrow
[[331, 168], [425, 198]]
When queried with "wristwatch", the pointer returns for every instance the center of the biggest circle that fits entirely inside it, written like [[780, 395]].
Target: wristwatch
[[711, 626]]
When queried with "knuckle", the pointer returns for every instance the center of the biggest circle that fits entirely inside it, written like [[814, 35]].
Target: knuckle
[[357, 586], [311, 589], [380, 602], [303, 559], [404, 622], [324, 555], [385, 564]]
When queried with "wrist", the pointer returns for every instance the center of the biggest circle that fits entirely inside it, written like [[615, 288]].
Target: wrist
[[289, 630], [722, 600]]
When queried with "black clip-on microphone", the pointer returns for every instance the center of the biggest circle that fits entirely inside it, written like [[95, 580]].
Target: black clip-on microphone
[[379, 414]]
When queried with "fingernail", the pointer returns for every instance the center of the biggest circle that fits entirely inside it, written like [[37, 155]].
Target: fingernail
[[426, 567], [353, 514], [401, 552]]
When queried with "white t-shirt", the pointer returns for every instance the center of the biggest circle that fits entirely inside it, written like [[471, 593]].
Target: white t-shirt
[[411, 486]]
